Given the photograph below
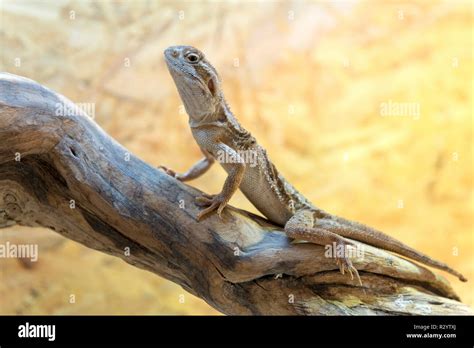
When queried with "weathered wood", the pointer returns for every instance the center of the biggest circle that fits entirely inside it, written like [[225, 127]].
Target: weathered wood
[[65, 173]]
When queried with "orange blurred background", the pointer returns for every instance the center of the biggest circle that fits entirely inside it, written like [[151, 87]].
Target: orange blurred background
[[366, 107]]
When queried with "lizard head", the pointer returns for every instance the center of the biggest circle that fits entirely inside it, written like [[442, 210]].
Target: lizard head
[[196, 79]]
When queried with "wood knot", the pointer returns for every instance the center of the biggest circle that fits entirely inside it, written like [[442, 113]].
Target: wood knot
[[13, 210], [9, 198]]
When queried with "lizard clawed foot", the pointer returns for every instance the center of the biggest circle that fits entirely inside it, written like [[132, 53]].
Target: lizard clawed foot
[[168, 171], [344, 263], [212, 202], [204, 200]]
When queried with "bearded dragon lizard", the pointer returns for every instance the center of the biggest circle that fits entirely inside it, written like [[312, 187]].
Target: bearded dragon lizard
[[218, 133]]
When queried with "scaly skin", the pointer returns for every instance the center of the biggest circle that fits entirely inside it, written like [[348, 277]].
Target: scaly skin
[[249, 169]]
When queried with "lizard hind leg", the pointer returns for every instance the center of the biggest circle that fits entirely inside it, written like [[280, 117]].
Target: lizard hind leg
[[302, 226]]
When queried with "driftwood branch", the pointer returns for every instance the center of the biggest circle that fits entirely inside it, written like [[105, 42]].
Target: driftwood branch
[[63, 172]]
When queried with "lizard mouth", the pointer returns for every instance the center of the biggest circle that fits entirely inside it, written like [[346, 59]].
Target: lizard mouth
[[174, 68], [178, 72], [169, 56]]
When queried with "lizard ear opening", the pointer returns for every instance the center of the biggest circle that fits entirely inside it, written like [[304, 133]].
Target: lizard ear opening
[[212, 86]]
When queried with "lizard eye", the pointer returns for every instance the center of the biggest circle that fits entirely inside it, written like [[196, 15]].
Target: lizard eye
[[192, 58]]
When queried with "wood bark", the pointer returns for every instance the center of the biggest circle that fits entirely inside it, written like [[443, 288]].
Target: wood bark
[[60, 170]]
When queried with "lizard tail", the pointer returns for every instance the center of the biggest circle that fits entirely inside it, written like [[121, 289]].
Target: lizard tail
[[365, 234]]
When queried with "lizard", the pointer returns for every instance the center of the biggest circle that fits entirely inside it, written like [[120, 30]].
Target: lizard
[[219, 135]]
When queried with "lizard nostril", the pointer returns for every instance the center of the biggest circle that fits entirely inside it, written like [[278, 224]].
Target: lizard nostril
[[174, 53]]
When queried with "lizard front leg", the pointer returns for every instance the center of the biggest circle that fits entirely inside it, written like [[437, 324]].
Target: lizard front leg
[[302, 226], [231, 184], [198, 169]]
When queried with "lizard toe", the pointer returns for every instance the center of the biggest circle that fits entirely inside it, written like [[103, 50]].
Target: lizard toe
[[204, 212], [344, 264], [216, 203], [203, 201], [220, 209], [168, 171]]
